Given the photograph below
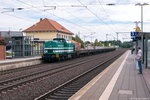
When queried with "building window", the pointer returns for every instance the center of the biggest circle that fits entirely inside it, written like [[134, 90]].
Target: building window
[[70, 37]]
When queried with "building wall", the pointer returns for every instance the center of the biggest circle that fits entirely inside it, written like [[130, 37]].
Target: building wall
[[45, 36], [2, 52], [65, 36]]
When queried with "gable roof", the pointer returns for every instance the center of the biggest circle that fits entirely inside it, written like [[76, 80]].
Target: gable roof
[[47, 25]]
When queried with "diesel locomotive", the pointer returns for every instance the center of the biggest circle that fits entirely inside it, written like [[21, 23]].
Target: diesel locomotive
[[59, 49]]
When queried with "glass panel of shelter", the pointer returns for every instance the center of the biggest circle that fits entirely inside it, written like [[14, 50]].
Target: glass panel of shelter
[[139, 44], [147, 50], [148, 53]]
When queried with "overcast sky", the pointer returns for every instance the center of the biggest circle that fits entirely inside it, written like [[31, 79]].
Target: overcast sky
[[90, 19]]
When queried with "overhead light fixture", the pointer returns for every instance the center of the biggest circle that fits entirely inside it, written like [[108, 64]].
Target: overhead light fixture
[[110, 4], [19, 8]]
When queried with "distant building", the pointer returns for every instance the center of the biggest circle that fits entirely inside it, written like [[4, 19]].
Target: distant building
[[9, 34], [47, 29]]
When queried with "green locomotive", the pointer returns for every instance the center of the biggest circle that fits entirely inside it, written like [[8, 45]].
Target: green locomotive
[[58, 49]]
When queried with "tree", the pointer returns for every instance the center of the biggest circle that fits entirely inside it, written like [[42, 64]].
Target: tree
[[78, 39], [96, 42], [127, 44]]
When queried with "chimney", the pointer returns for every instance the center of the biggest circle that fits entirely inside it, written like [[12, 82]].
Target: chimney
[[40, 19]]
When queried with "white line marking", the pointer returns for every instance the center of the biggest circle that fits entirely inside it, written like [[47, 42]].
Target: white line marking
[[106, 94], [83, 90]]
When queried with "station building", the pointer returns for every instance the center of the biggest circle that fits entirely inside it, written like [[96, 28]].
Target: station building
[[47, 29]]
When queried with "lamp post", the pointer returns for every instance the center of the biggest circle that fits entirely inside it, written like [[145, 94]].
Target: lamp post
[[142, 37], [106, 37], [139, 4]]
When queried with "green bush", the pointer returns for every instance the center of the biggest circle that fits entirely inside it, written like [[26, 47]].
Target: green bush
[[8, 53]]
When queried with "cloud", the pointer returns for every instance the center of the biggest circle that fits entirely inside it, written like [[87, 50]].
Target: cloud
[[97, 17]]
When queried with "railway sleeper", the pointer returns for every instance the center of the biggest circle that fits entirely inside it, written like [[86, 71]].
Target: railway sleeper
[[62, 94], [73, 87], [65, 92], [68, 90], [57, 97], [75, 83]]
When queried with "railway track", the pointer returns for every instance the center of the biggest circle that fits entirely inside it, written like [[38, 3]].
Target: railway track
[[51, 76], [66, 90], [8, 84], [23, 72], [10, 71], [19, 69], [22, 69]]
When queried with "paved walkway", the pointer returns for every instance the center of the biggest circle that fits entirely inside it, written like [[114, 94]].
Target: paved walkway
[[146, 74], [120, 81]]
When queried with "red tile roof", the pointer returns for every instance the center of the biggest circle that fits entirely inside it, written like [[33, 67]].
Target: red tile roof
[[47, 25]]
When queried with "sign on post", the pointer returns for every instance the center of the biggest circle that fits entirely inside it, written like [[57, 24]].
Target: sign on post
[[134, 35]]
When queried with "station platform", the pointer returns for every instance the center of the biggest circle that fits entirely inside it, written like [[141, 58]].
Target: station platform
[[18, 59], [19, 62], [119, 81]]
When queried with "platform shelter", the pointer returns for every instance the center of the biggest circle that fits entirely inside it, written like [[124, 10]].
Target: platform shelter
[[142, 39]]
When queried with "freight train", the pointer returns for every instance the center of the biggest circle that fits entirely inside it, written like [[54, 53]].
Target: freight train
[[59, 49]]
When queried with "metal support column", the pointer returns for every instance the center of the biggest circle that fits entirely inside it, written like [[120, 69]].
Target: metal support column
[[23, 47], [146, 51], [142, 39]]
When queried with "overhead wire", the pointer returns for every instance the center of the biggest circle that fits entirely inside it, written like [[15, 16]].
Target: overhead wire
[[111, 20], [29, 4], [3, 13], [74, 16], [16, 17], [105, 11], [52, 14], [96, 16]]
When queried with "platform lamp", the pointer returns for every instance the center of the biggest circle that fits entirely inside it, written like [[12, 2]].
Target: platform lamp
[[139, 4], [144, 4]]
